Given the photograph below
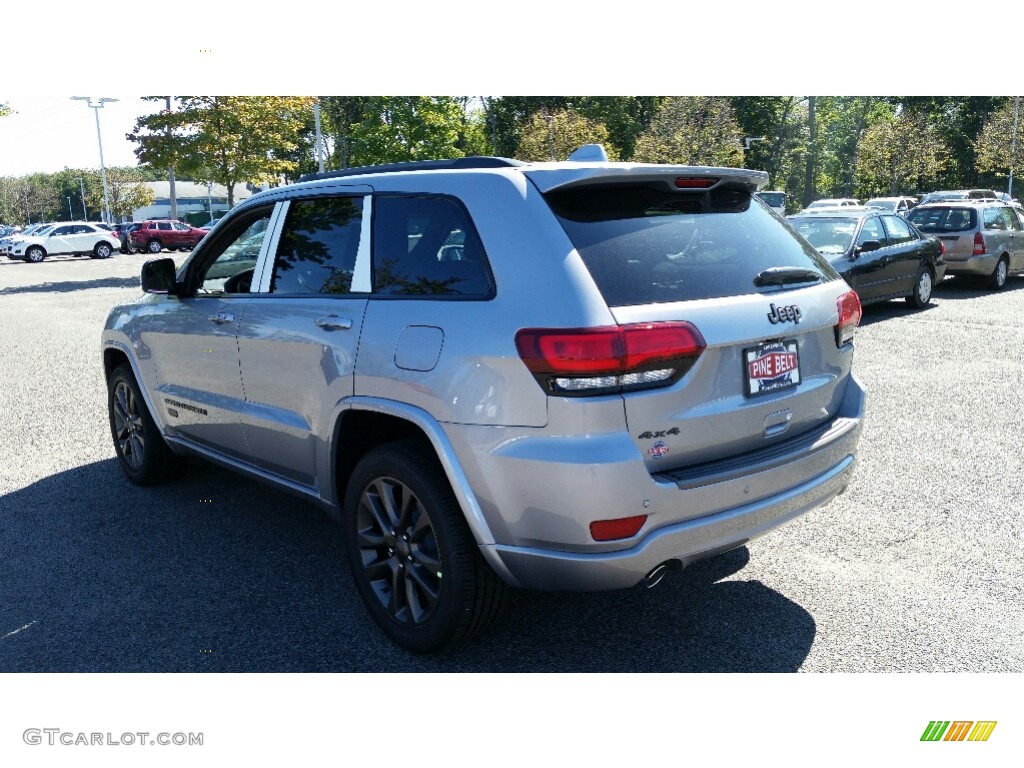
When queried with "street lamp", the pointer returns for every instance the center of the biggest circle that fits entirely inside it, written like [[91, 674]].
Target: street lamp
[[103, 169]]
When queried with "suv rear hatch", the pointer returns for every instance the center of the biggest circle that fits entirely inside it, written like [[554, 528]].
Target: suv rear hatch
[[692, 251]]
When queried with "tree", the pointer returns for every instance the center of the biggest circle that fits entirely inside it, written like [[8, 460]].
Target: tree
[[225, 139], [693, 130], [1000, 144], [898, 155], [4, 109], [555, 135], [126, 192]]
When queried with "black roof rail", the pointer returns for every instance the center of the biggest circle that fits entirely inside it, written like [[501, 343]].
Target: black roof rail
[[476, 161]]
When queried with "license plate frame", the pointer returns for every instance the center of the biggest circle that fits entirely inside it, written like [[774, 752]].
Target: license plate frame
[[771, 367]]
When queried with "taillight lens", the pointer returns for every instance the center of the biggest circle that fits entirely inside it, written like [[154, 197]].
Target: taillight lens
[[591, 361], [979, 244], [695, 182], [942, 248], [849, 317]]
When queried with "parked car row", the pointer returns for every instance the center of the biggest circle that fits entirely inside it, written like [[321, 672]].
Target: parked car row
[[75, 238], [79, 238], [884, 256]]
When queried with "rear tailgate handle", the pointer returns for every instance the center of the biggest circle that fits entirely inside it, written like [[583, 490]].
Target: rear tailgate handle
[[222, 317], [334, 323], [777, 422]]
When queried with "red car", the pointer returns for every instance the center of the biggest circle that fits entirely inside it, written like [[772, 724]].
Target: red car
[[154, 236]]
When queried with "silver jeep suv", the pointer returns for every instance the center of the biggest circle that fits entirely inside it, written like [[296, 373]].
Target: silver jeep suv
[[559, 376]]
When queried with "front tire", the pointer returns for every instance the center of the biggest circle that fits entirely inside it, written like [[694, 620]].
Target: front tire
[[413, 558], [922, 295], [35, 254], [143, 455]]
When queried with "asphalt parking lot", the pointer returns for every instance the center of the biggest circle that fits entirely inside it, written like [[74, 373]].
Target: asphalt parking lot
[[917, 567]]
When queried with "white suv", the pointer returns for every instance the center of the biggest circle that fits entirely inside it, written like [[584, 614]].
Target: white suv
[[559, 376], [77, 238]]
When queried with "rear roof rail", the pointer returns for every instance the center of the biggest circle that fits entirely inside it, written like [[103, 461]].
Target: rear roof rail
[[460, 163]]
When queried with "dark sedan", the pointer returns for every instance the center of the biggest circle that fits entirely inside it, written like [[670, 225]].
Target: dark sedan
[[880, 254]]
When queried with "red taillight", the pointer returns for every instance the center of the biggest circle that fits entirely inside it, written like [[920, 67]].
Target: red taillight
[[942, 248], [695, 182], [979, 244], [849, 317], [587, 361], [623, 528]]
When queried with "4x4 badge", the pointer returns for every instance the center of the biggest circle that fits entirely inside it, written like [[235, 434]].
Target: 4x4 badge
[[785, 314]]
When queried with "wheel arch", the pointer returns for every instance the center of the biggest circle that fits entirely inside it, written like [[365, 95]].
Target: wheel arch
[[363, 423], [114, 354]]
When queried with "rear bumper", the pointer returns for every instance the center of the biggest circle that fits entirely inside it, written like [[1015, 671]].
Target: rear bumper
[[975, 265], [808, 474]]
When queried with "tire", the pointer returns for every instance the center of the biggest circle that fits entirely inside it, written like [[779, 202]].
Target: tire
[[102, 251], [143, 455], [923, 285], [403, 530], [154, 246], [35, 254], [997, 280]]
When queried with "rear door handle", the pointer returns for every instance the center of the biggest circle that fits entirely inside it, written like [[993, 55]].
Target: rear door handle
[[334, 323], [222, 317]]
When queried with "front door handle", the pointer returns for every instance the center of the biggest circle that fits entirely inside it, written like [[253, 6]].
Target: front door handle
[[334, 323], [222, 317]]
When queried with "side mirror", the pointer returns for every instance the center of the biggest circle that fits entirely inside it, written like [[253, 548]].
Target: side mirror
[[158, 276], [867, 246]]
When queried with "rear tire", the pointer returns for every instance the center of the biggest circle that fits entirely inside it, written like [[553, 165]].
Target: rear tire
[[143, 455], [154, 246], [413, 558], [102, 251], [997, 280], [923, 285]]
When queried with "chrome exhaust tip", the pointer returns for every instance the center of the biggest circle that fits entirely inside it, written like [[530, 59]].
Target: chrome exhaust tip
[[655, 576]]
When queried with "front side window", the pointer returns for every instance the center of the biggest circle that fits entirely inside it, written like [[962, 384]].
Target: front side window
[[239, 248], [318, 246], [427, 246]]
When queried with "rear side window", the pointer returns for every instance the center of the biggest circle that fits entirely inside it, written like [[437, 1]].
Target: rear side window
[[774, 199], [427, 246], [943, 218], [899, 231], [318, 246], [645, 244]]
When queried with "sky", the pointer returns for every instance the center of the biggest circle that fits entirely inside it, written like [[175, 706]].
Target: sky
[[48, 133]]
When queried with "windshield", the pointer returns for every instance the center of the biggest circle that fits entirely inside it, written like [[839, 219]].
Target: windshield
[[44, 230], [645, 245], [943, 218], [774, 199], [827, 235]]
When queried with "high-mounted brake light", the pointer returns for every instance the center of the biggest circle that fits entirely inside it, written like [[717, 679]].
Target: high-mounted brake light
[[979, 244], [695, 182], [590, 361], [849, 317]]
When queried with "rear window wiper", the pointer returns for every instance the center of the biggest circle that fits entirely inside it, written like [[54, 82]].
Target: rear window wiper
[[786, 275]]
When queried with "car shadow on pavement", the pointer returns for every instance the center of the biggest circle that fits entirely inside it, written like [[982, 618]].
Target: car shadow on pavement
[[973, 288], [216, 573], [76, 285]]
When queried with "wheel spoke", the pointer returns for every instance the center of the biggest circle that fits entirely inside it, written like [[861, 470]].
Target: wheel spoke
[[427, 583], [370, 539], [372, 503], [387, 491]]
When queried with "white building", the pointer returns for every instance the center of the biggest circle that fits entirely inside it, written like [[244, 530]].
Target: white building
[[192, 198]]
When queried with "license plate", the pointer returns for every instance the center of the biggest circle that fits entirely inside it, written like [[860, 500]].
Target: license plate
[[771, 367]]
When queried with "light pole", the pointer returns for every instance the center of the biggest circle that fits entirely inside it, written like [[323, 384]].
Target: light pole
[[103, 169], [85, 211], [71, 214]]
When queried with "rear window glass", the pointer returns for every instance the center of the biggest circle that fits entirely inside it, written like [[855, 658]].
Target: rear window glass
[[774, 199], [647, 245], [943, 218]]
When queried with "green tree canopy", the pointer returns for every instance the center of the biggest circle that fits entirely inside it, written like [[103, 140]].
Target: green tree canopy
[[903, 154], [556, 135], [693, 130], [999, 146], [225, 139]]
